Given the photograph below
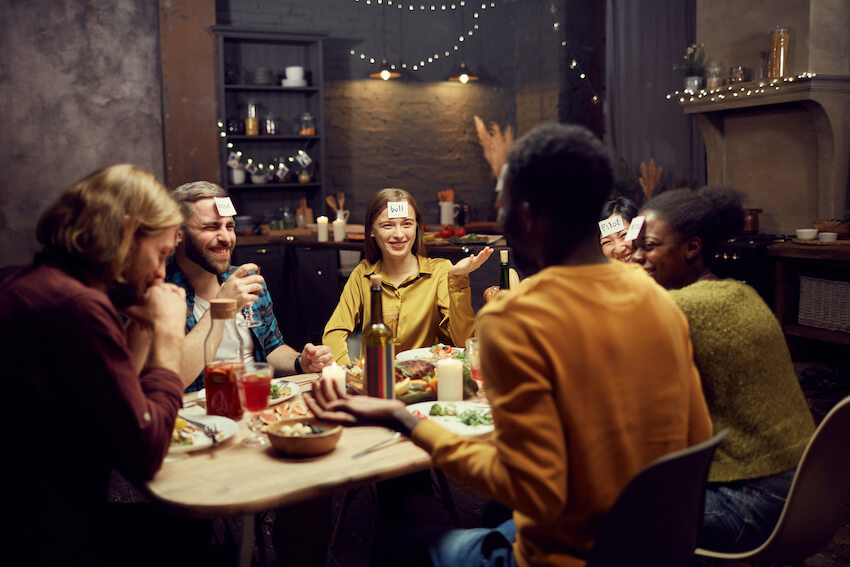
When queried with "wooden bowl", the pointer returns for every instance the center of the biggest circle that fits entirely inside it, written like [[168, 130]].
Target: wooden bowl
[[842, 228], [307, 445]]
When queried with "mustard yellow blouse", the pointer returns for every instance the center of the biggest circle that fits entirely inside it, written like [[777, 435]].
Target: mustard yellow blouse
[[432, 307]]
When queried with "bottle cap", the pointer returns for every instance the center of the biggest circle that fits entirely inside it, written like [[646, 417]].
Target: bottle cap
[[503, 256], [223, 308], [375, 280]]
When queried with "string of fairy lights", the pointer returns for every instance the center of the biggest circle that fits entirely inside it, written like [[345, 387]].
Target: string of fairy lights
[[466, 34], [735, 91]]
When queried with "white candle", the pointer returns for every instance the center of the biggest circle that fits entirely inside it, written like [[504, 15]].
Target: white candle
[[336, 373], [322, 224], [449, 380], [339, 230]]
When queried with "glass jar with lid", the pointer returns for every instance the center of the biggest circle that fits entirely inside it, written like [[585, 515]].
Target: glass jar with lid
[[714, 75], [307, 124]]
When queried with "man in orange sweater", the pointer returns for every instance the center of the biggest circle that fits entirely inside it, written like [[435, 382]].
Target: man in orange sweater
[[588, 368]]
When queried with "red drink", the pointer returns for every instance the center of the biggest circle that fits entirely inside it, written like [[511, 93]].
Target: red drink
[[476, 373], [222, 394], [254, 392]]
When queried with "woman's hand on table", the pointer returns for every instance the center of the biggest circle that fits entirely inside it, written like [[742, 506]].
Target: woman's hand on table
[[471, 263], [328, 402]]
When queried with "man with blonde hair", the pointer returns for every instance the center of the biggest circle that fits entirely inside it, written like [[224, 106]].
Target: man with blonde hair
[[202, 268], [81, 399]]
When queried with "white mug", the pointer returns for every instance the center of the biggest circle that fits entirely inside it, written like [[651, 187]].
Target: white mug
[[295, 73], [448, 210], [342, 215]]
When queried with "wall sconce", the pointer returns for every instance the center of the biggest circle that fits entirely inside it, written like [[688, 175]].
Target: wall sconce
[[464, 75], [385, 71]]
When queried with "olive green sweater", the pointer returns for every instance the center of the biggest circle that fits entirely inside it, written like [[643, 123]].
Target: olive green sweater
[[748, 380]]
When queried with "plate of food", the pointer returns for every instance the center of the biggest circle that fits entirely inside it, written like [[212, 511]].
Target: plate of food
[[435, 352], [463, 418], [282, 390], [188, 437]]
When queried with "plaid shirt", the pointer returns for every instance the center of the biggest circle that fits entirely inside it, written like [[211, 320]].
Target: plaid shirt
[[266, 337]]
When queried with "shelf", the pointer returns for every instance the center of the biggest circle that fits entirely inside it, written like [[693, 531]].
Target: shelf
[[276, 137], [272, 88], [806, 332], [261, 186]]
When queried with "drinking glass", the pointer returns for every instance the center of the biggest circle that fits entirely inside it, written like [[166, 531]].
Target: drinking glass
[[248, 312], [254, 385], [473, 358]]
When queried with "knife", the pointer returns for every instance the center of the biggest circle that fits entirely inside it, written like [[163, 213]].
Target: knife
[[376, 446]]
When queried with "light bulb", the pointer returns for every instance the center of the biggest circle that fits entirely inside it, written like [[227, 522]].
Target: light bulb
[[385, 74], [463, 78]]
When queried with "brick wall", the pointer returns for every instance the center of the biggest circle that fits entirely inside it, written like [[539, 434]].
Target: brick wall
[[418, 133]]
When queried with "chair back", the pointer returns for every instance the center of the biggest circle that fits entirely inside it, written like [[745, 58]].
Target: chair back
[[815, 506], [656, 518]]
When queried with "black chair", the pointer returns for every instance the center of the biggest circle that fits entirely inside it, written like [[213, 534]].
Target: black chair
[[656, 519]]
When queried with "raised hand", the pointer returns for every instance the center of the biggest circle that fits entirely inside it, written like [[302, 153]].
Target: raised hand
[[242, 285], [471, 263]]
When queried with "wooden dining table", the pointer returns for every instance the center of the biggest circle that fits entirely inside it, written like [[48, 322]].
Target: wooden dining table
[[232, 480]]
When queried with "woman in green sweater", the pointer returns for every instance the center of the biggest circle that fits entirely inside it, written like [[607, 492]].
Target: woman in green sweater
[[747, 374]]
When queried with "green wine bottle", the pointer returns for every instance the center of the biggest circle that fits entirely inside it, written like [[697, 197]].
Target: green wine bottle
[[378, 348]]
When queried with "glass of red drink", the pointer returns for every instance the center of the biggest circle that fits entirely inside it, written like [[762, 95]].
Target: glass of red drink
[[254, 384]]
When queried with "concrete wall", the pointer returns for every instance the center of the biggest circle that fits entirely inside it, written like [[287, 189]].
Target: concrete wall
[[80, 88]]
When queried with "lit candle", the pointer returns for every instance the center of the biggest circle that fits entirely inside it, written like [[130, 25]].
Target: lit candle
[[449, 380], [336, 373], [322, 224], [339, 230]]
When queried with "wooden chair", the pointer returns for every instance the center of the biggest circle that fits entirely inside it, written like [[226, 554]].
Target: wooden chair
[[656, 518], [815, 505]]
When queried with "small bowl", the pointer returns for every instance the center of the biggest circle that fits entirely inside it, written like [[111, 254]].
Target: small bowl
[[259, 179], [307, 445], [807, 233], [827, 236]]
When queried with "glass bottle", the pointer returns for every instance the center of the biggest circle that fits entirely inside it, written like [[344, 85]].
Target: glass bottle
[[222, 368], [307, 125], [504, 273], [777, 66], [252, 122], [379, 352]]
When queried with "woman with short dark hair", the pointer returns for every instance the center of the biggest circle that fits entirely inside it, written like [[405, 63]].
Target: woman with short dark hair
[[613, 243]]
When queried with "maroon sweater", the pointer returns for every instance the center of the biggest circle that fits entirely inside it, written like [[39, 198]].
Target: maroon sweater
[[74, 409]]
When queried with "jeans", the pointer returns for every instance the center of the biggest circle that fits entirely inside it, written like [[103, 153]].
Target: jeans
[[740, 516], [444, 546]]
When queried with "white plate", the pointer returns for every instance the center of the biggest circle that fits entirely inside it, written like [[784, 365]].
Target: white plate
[[294, 390], [451, 422], [422, 354], [227, 428]]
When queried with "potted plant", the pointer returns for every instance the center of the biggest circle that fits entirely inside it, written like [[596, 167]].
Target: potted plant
[[694, 66]]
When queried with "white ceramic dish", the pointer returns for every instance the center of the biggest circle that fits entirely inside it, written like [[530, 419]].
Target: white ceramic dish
[[827, 236], [227, 428], [806, 233], [422, 354], [452, 422]]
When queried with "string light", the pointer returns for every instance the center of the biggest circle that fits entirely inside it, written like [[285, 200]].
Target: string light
[[738, 90], [236, 155], [574, 64], [424, 61]]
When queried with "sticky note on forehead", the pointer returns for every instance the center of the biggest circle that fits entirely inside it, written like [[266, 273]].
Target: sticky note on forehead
[[397, 209], [225, 206], [611, 225], [634, 228]]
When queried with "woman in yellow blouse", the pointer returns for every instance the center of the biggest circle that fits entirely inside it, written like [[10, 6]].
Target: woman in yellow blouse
[[426, 300]]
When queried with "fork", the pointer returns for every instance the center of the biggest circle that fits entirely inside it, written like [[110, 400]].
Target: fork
[[209, 431]]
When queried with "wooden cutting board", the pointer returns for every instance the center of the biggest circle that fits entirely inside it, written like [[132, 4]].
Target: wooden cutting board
[[303, 209]]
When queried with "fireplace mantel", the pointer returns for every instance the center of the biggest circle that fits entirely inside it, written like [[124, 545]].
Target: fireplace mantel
[[785, 143]]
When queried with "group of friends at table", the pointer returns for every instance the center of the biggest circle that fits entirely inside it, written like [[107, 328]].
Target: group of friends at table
[[614, 352]]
